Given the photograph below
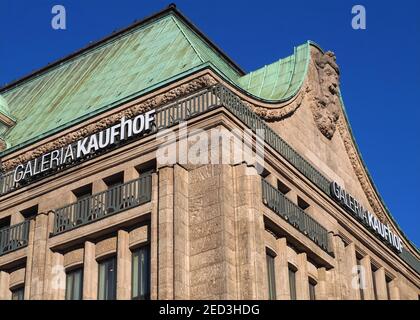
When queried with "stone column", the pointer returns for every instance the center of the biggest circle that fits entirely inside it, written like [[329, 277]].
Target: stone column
[[282, 271], [181, 236], [5, 293], [166, 234], [381, 284], [367, 270], [90, 272], [39, 257], [302, 284], [123, 266]]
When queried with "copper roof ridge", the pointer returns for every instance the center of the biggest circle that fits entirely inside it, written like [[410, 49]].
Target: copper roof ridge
[[171, 8]]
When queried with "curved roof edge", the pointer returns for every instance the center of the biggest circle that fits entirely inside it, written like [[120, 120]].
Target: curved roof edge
[[291, 95], [375, 189]]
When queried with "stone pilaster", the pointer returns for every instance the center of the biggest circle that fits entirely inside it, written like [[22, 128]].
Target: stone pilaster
[[302, 284], [353, 291], [154, 238], [90, 272], [39, 257], [394, 290], [282, 271], [57, 277], [5, 293], [212, 233], [250, 229], [123, 266], [181, 236], [381, 284], [340, 272], [367, 270], [321, 289], [166, 234], [30, 253]]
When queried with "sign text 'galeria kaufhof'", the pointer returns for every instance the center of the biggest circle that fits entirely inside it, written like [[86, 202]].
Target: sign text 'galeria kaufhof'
[[125, 129], [350, 204]]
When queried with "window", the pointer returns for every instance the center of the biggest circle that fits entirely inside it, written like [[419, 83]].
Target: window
[[30, 212], [292, 282], [302, 203], [114, 196], [114, 180], [388, 287], [18, 293], [83, 206], [5, 222], [375, 291], [282, 187], [83, 192], [74, 284], [361, 279], [107, 279], [141, 274], [271, 276], [312, 285]]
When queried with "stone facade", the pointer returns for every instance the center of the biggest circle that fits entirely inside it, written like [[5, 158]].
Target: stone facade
[[207, 226]]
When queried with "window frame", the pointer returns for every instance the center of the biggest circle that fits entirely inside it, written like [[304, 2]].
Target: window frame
[[107, 294], [271, 274], [146, 296], [70, 273], [19, 290], [292, 270]]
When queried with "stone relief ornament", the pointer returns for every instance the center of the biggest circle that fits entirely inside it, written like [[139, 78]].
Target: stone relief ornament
[[276, 114], [323, 92], [149, 104]]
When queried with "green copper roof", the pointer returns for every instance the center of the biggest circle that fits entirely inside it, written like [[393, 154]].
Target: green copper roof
[[4, 108], [132, 62], [280, 80]]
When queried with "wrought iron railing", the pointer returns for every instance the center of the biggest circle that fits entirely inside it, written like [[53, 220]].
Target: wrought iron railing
[[298, 218], [204, 101], [14, 237], [116, 199]]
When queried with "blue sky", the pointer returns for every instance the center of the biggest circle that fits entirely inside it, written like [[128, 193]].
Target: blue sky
[[380, 68]]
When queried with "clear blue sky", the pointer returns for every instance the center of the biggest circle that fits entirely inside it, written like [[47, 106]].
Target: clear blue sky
[[380, 66]]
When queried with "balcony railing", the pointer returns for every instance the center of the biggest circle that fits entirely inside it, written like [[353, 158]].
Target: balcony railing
[[298, 218], [14, 237], [116, 199]]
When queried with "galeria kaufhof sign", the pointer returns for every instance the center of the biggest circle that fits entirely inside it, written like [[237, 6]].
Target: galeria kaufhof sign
[[124, 130], [137, 127], [351, 205]]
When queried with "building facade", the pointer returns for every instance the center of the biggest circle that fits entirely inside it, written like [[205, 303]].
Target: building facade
[[150, 166]]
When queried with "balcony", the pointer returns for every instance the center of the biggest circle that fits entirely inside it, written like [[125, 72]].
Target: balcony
[[114, 200], [14, 237], [298, 218]]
